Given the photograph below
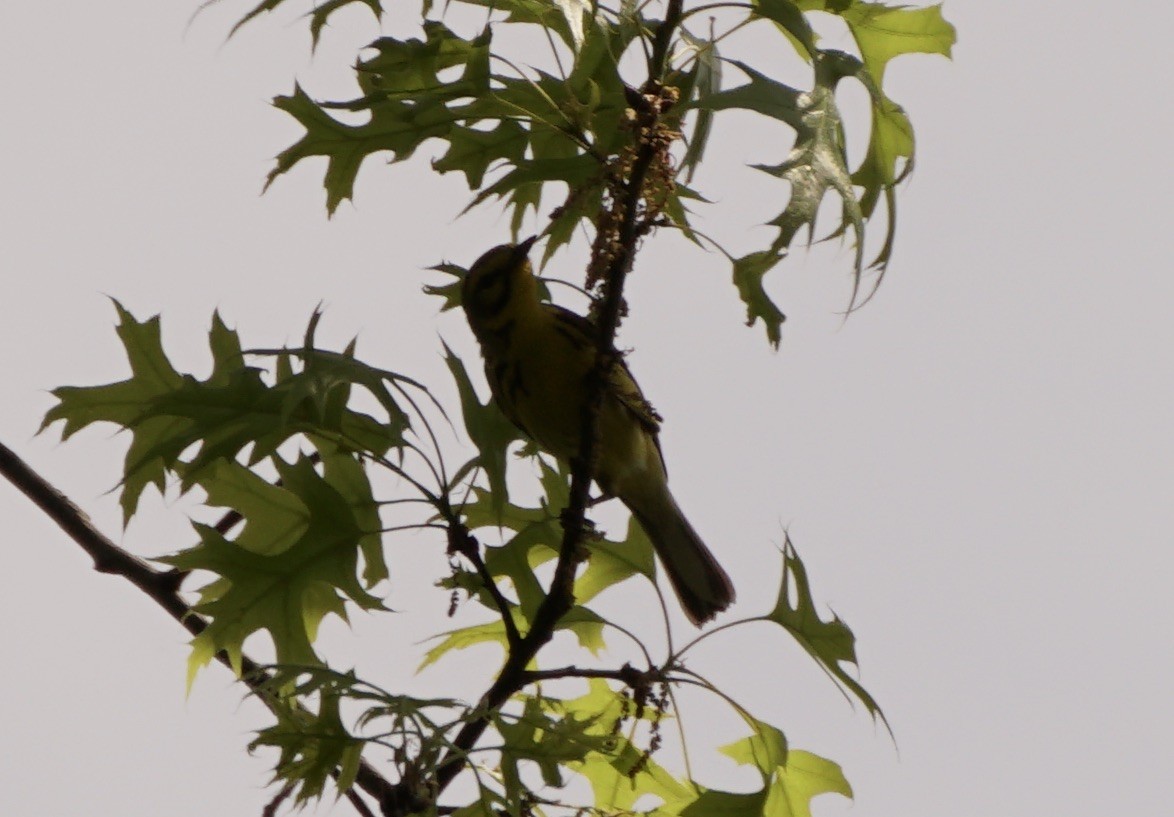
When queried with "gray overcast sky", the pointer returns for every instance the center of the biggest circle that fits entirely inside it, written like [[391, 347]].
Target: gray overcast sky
[[977, 467]]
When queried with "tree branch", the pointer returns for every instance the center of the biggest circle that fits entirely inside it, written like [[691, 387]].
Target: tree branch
[[560, 598], [462, 542], [162, 586], [627, 675]]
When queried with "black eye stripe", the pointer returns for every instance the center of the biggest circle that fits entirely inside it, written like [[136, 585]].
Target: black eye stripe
[[503, 295], [489, 278], [488, 301]]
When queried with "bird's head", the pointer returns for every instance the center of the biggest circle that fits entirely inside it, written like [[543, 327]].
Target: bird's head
[[499, 282]]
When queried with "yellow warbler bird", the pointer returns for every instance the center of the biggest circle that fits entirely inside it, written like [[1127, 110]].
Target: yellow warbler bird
[[537, 360]]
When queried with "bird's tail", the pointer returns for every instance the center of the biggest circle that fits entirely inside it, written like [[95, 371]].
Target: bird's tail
[[699, 581]]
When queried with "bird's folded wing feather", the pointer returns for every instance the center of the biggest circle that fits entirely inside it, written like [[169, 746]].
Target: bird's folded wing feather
[[620, 383]]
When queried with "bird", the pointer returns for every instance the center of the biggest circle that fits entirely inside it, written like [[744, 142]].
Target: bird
[[538, 357]]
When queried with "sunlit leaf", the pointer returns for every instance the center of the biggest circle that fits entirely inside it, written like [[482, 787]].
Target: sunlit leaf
[[584, 624], [885, 31], [463, 638], [766, 749], [609, 563]]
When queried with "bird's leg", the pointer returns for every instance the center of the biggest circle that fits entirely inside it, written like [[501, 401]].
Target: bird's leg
[[592, 501]]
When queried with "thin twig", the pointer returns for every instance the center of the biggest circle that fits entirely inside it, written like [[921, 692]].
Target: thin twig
[[462, 542], [627, 674]]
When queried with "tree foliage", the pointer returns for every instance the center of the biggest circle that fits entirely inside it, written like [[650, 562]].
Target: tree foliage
[[613, 131]]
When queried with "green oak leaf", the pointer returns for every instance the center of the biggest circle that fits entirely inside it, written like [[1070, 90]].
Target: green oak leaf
[[407, 102], [287, 592], [789, 786], [579, 207], [573, 11], [473, 151], [791, 21], [830, 643], [549, 741], [537, 537], [766, 749], [411, 68], [449, 293], [882, 31], [817, 162], [171, 415], [397, 127], [320, 15], [627, 774], [274, 518], [761, 94], [518, 557], [705, 82], [748, 273], [803, 778], [531, 174], [619, 772], [542, 13], [609, 563], [489, 429], [488, 633], [586, 626], [345, 473], [313, 746], [123, 403]]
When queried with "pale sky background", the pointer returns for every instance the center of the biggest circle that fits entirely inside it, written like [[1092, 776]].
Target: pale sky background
[[977, 468]]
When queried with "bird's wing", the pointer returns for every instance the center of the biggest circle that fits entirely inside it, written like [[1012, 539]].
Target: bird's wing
[[620, 383]]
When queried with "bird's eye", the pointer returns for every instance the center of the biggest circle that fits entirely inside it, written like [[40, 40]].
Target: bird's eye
[[488, 285], [487, 291], [487, 282]]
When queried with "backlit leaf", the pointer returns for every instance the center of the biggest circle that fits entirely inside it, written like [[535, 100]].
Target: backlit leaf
[[830, 643], [287, 592]]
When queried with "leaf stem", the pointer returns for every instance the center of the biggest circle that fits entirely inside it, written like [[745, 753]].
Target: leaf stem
[[627, 674]]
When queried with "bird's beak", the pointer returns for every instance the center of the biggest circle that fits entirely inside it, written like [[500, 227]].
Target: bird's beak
[[522, 248]]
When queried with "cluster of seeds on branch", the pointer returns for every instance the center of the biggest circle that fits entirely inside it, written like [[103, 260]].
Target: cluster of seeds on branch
[[454, 597], [650, 146], [460, 541], [658, 698], [648, 689]]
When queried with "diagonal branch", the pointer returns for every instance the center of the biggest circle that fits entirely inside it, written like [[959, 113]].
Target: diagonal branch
[[161, 585]]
